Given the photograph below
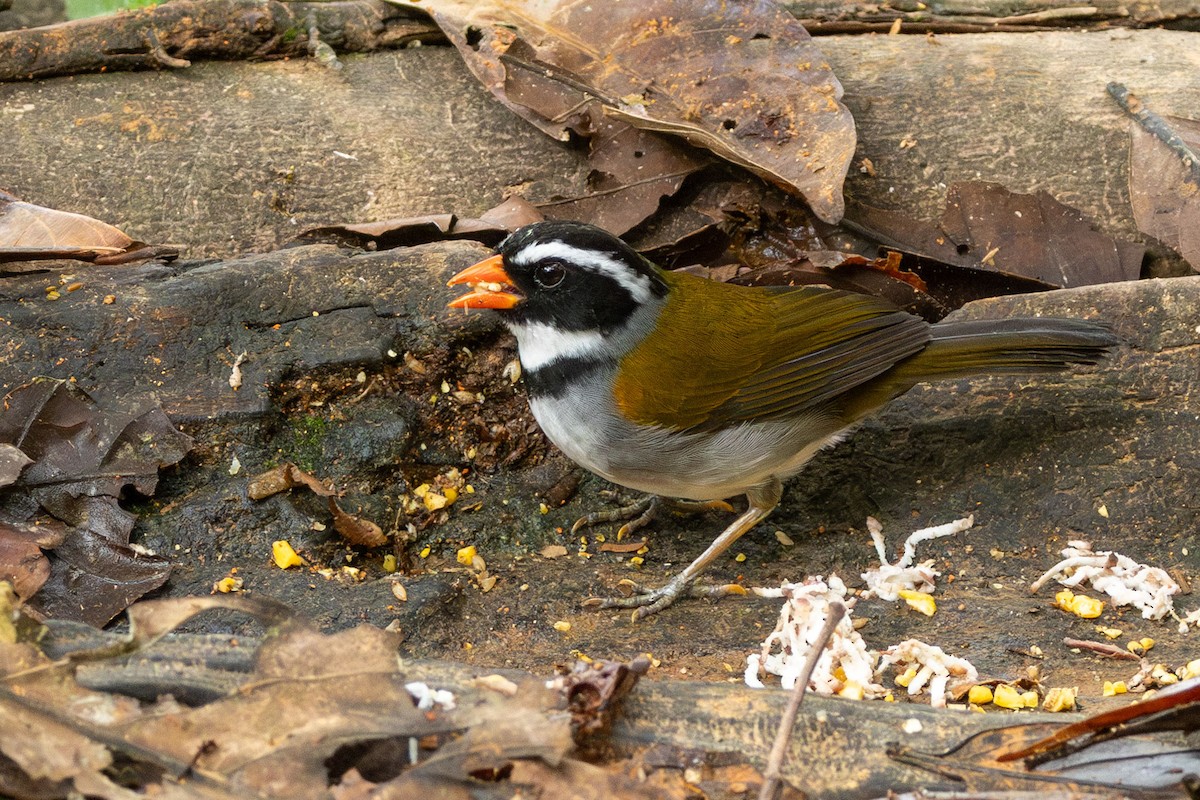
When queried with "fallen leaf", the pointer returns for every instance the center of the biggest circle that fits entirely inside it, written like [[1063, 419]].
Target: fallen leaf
[[284, 477], [1059, 757], [552, 551], [622, 547], [1164, 191], [22, 561], [12, 461], [30, 232], [743, 81], [992, 242], [83, 453], [1035, 236], [632, 172], [408, 232]]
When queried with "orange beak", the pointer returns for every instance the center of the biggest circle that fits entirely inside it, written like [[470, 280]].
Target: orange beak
[[488, 282]]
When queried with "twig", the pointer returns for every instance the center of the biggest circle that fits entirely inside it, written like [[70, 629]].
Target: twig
[[1156, 126], [771, 776], [1112, 651]]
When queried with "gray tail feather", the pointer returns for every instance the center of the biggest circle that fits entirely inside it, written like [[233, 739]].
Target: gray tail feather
[[1018, 345]]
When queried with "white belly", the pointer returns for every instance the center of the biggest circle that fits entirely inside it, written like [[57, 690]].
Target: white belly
[[696, 466]]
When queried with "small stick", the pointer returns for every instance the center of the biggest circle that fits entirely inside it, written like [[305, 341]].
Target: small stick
[[1157, 127], [771, 777], [1112, 651]]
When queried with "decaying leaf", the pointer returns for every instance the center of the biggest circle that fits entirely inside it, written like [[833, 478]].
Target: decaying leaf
[[1164, 191], [1035, 236], [12, 461], [854, 274], [64, 538], [409, 231], [632, 171], [318, 716], [29, 232], [743, 81], [991, 241], [355, 530]]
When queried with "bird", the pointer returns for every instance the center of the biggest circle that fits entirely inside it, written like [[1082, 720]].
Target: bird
[[674, 385]]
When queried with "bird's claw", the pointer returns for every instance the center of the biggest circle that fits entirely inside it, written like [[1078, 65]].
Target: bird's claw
[[639, 515], [644, 511], [646, 601]]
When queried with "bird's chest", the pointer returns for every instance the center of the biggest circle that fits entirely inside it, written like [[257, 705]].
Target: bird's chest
[[581, 423]]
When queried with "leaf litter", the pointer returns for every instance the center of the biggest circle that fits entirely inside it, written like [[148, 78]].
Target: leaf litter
[[31, 232], [341, 716], [317, 716], [1164, 175], [64, 536], [744, 82]]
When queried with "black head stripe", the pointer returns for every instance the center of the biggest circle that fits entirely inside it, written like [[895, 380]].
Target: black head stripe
[[583, 237], [604, 281]]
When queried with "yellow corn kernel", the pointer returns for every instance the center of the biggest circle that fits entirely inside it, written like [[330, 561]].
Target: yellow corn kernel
[[1111, 633], [1191, 670], [562, 626], [466, 555], [852, 691], [389, 563], [1078, 604], [425, 551], [1006, 696], [980, 695], [889, 698], [906, 677], [228, 584], [1060, 698], [740, 557], [543, 508], [450, 493], [919, 601], [422, 490], [285, 555], [1030, 699], [1114, 688], [434, 501], [1140, 646], [1163, 675]]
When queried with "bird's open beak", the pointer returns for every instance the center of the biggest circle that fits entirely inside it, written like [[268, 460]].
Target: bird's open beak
[[488, 282]]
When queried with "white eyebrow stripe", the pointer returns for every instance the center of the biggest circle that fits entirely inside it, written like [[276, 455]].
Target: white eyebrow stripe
[[635, 283], [539, 344]]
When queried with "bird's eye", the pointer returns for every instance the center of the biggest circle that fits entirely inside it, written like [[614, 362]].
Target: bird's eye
[[549, 275]]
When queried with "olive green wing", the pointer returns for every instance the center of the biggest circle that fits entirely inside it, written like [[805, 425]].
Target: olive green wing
[[721, 354]]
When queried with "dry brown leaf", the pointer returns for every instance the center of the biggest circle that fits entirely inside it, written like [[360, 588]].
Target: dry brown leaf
[[29, 232], [743, 81], [355, 530], [1163, 190], [84, 453], [622, 547], [12, 461], [632, 172], [1035, 236], [410, 231]]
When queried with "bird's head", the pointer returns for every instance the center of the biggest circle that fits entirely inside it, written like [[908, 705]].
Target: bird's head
[[565, 275]]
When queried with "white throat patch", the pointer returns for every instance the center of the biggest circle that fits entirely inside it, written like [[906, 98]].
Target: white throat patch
[[539, 344], [636, 284]]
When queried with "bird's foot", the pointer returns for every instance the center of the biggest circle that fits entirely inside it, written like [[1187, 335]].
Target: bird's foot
[[644, 511], [646, 601]]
